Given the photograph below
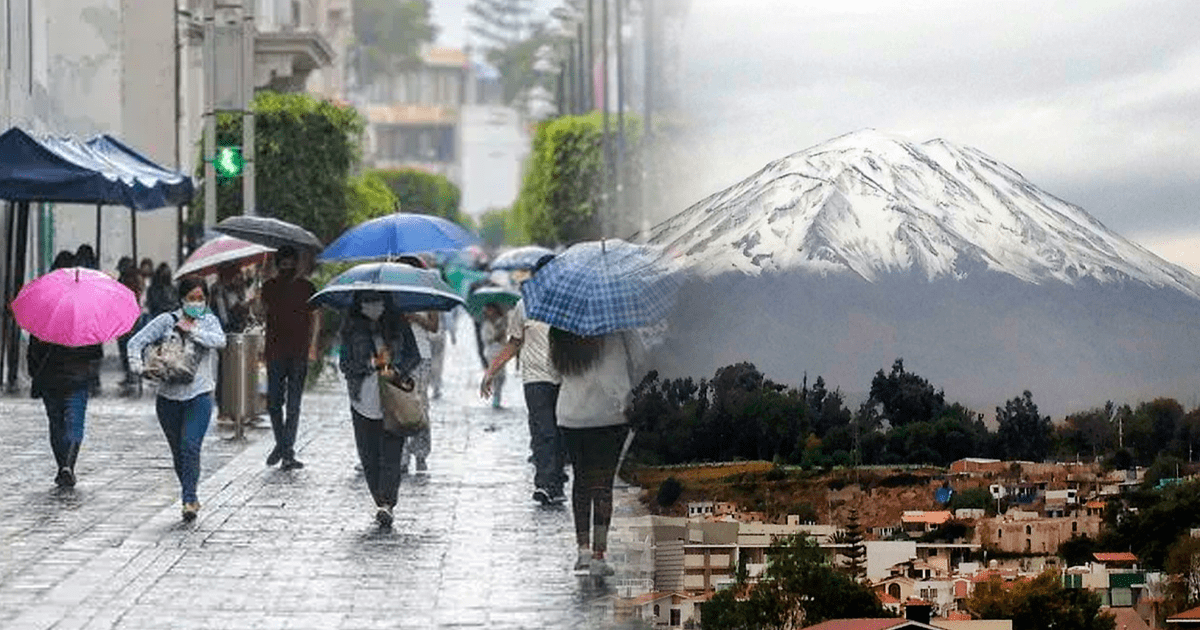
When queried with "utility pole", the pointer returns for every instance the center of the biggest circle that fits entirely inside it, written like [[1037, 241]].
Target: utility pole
[[248, 194], [210, 111], [648, 105], [605, 198]]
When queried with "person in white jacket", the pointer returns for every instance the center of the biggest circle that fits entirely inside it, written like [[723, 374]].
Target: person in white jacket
[[597, 383]]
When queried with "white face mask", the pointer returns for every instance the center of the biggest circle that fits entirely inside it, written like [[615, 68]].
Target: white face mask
[[372, 310]]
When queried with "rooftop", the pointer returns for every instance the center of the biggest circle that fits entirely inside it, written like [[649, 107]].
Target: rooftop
[[1120, 556], [932, 518]]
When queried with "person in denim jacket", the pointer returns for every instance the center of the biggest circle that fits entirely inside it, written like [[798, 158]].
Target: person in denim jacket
[[375, 338]]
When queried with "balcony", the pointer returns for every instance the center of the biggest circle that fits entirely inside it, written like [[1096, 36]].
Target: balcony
[[283, 59]]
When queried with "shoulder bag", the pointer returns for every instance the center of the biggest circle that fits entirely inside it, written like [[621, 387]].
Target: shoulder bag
[[173, 359]]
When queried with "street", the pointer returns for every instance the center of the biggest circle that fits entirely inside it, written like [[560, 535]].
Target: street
[[296, 549]]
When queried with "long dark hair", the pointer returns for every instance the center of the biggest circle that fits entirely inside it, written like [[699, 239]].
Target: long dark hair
[[573, 354]]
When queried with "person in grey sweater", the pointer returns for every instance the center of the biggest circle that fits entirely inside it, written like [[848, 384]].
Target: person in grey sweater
[[185, 409]]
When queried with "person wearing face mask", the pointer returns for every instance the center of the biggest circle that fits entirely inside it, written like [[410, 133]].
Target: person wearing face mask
[[292, 328], [376, 339], [184, 410]]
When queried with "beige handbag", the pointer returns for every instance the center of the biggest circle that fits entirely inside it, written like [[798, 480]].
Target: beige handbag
[[403, 406]]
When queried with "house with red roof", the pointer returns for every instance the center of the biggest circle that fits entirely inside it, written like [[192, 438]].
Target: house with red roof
[[1185, 620]]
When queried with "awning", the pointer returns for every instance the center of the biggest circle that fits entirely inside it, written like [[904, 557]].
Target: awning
[[99, 171]]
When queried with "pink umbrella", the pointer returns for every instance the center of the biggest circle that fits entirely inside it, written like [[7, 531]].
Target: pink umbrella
[[76, 307], [220, 251]]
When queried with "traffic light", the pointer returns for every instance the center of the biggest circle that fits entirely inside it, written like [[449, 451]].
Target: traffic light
[[228, 163]]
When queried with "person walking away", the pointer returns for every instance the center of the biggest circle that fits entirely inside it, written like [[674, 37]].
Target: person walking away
[[185, 410], [62, 378], [161, 295], [493, 331], [597, 384], [376, 339], [85, 257], [292, 328], [425, 326], [129, 277], [530, 340]]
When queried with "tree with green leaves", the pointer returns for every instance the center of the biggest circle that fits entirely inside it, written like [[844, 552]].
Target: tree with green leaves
[[1023, 432], [799, 588], [389, 35], [368, 197], [305, 150], [856, 553], [510, 39], [906, 397], [1040, 603], [1183, 565], [420, 192]]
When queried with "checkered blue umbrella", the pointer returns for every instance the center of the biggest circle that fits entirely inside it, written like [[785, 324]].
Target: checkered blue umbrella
[[600, 287]]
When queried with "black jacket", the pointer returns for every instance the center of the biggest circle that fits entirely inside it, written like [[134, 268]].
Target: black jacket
[[57, 370]]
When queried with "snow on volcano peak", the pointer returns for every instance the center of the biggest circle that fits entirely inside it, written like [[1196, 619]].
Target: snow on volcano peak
[[872, 204]]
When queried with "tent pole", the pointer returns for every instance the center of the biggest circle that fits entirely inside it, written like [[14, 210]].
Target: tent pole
[[133, 231], [98, 207], [21, 249], [7, 318]]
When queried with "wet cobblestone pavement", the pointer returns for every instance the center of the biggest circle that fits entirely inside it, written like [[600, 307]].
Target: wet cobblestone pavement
[[295, 549]]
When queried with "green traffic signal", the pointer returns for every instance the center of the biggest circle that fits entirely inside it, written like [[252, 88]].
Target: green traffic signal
[[228, 162]]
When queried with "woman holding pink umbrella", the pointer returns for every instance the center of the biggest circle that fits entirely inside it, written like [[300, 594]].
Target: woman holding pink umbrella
[[61, 377]]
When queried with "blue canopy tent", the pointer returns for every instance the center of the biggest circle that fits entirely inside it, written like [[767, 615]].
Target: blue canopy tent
[[100, 171]]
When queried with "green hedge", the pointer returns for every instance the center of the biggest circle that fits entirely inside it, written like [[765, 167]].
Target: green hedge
[[560, 199], [423, 193], [305, 151]]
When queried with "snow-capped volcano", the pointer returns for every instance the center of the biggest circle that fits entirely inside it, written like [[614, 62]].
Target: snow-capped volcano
[[872, 204]]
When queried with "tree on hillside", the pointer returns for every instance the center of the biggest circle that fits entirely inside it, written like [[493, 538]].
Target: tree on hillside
[[1090, 432], [856, 554], [1040, 603], [389, 35], [906, 397], [1183, 565], [1153, 428], [798, 589], [1023, 433]]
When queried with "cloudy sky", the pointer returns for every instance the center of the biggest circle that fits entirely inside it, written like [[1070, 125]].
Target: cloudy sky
[[1095, 101]]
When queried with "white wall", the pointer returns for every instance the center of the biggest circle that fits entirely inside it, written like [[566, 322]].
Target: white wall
[[884, 554], [494, 148]]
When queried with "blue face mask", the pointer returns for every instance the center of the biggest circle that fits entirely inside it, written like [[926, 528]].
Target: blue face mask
[[195, 310]]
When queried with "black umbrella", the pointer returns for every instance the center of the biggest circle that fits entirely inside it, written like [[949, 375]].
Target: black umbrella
[[268, 231]]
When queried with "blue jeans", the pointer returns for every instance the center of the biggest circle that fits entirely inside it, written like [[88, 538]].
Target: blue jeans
[[285, 376], [185, 422], [66, 413], [541, 399]]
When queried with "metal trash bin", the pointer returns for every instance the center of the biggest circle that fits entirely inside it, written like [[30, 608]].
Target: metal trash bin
[[239, 378]]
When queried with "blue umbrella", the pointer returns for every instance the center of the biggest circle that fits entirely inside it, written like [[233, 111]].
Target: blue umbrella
[[520, 258], [408, 288], [395, 235], [601, 287]]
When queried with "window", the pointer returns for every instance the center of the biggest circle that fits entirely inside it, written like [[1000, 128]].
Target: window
[[1028, 545], [656, 610], [929, 594], [1028, 530], [999, 533], [1074, 526], [894, 590], [676, 617]]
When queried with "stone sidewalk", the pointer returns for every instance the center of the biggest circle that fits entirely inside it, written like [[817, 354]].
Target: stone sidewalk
[[298, 549]]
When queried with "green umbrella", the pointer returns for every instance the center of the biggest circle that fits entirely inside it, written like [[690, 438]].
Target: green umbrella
[[490, 295]]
